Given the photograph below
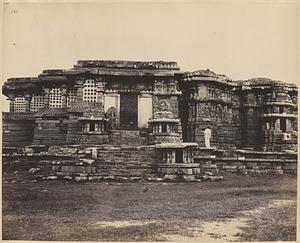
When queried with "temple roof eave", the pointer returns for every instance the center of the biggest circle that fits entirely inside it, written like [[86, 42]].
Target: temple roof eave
[[13, 85], [55, 76], [264, 82], [128, 72], [210, 80], [124, 64]]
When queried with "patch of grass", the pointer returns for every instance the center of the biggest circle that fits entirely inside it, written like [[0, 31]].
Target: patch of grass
[[56, 210], [274, 224]]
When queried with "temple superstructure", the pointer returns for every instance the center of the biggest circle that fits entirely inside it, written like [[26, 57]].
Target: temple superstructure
[[128, 103]]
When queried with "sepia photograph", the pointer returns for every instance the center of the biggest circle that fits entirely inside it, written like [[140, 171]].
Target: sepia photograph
[[144, 121]]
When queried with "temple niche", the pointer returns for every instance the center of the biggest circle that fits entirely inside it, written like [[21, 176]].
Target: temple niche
[[150, 117], [164, 127]]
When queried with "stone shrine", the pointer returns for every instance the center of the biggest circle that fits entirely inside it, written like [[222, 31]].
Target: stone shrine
[[145, 118]]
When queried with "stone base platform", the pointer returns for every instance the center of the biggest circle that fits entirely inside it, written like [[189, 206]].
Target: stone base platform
[[178, 169], [259, 162]]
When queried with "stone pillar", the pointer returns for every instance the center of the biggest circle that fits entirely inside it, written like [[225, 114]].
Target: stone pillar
[[168, 156], [46, 97], [289, 127], [100, 89], [277, 124], [173, 157], [185, 155], [145, 110], [160, 128], [191, 154], [64, 97], [79, 87], [27, 102], [164, 156], [11, 99]]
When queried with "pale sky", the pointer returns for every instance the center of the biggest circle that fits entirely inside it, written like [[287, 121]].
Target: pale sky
[[241, 39]]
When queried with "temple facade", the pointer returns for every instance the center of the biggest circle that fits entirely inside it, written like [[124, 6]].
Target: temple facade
[[127, 103]]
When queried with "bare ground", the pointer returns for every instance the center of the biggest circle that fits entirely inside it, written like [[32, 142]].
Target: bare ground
[[240, 208]]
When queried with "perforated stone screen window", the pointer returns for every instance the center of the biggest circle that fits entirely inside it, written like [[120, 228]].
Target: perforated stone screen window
[[71, 97], [55, 100], [19, 104], [89, 91], [37, 102]]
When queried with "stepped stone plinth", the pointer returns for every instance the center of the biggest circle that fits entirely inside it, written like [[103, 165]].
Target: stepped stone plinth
[[176, 161]]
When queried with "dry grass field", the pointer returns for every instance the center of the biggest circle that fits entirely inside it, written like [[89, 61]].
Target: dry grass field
[[239, 208]]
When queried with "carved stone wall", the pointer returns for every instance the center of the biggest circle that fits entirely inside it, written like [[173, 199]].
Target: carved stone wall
[[172, 101], [211, 105], [222, 119], [17, 129]]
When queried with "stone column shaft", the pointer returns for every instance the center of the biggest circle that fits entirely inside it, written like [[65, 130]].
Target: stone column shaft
[[46, 97], [27, 102], [64, 97], [173, 157], [79, 91], [11, 104]]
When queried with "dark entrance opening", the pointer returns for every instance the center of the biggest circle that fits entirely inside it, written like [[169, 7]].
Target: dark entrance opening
[[283, 125], [129, 111], [164, 128], [92, 126], [179, 156]]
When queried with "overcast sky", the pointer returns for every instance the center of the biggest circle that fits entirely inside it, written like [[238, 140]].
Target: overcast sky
[[241, 39]]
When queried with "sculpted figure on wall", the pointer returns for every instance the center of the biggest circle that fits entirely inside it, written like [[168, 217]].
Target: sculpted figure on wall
[[207, 137], [227, 114], [251, 99], [235, 118], [275, 109], [206, 110], [163, 105], [217, 94], [111, 115], [220, 114], [158, 86], [173, 86]]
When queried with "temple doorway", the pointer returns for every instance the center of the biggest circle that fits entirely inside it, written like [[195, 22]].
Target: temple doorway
[[129, 111]]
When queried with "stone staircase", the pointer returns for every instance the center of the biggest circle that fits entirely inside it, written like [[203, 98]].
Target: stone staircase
[[128, 137]]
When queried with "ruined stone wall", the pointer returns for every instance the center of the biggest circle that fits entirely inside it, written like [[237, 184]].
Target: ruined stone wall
[[17, 129], [50, 132], [92, 139], [137, 161]]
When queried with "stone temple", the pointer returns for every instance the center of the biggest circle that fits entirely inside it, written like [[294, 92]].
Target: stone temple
[[129, 119]]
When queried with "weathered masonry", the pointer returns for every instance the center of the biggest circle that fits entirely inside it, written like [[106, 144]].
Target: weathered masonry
[[107, 107]]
